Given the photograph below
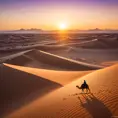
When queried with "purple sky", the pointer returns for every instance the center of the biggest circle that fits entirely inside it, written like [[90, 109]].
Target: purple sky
[[39, 12], [42, 3], [107, 2]]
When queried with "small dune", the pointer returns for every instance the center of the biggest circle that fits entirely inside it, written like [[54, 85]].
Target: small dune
[[109, 63]]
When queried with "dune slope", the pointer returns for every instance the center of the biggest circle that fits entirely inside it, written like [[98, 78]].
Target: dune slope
[[68, 102], [41, 59], [61, 77], [17, 87], [21, 85]]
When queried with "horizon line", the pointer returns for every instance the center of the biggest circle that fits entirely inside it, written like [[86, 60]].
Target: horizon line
[[26, 29]]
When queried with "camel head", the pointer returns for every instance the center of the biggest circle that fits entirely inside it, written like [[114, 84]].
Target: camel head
[[78, 86]]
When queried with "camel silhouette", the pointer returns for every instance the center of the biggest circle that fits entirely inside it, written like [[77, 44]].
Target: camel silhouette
[[84, 86]]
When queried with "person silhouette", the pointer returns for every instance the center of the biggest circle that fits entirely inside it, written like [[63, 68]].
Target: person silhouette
[[85, 82], [85, 86]]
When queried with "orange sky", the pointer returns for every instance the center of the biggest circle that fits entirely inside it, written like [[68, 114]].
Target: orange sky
[[49, 17]]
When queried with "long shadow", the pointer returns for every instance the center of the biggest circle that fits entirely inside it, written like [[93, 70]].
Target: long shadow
[[18, 88], [95, 107]]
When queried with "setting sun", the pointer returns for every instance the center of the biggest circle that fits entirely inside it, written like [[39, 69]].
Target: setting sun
[[62, 26]]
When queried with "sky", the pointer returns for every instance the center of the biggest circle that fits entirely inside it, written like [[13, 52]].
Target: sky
[[50, 14]]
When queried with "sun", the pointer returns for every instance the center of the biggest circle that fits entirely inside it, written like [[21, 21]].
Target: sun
[[62, 26]]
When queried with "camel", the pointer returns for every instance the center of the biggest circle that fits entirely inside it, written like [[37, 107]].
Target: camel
[[84, 86]]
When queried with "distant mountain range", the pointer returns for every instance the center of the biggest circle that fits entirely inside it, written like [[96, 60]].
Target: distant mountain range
[[34, 30]]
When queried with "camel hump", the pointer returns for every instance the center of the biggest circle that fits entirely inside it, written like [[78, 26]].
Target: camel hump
[[84, 86]]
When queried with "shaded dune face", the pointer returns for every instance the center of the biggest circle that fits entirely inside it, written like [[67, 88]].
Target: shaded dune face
[[17, 87], [61, 77], [41, 59], [20, 60]]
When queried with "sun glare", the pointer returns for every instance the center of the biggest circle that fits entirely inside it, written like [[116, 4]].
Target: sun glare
[[62, 26]]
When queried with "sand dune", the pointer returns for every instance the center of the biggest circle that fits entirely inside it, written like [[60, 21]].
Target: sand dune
[[108, 63], [96, 56], [41, 59], [21, 85], [61, 77], [38, 84], [68, 102], [100, 44], [17, 87]]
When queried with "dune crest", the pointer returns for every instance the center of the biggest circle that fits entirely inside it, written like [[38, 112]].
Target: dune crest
[[61, 77]]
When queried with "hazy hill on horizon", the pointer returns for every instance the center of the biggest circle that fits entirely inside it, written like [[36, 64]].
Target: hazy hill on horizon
[[35, 30]]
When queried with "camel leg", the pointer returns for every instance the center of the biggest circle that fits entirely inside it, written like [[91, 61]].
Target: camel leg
[[88, 90], [83, 90]]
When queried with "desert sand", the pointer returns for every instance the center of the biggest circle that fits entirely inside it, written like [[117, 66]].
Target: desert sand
[[108, 63], [39, 74], [61, 77], [93, 56], [37, 84], [67, 101], [21, 85], [41, 59]]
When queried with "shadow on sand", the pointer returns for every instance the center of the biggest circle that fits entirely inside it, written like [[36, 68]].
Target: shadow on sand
[[95, 107]]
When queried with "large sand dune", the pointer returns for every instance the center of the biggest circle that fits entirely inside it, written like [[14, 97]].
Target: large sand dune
[[21, 85], [68, 102], [36, 84]]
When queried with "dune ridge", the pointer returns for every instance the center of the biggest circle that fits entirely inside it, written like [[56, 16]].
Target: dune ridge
[[61, 77], [44, 59]]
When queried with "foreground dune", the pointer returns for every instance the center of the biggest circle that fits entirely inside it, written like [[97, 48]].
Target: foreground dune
[[17, 88], [21, 85], [68, 102]]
